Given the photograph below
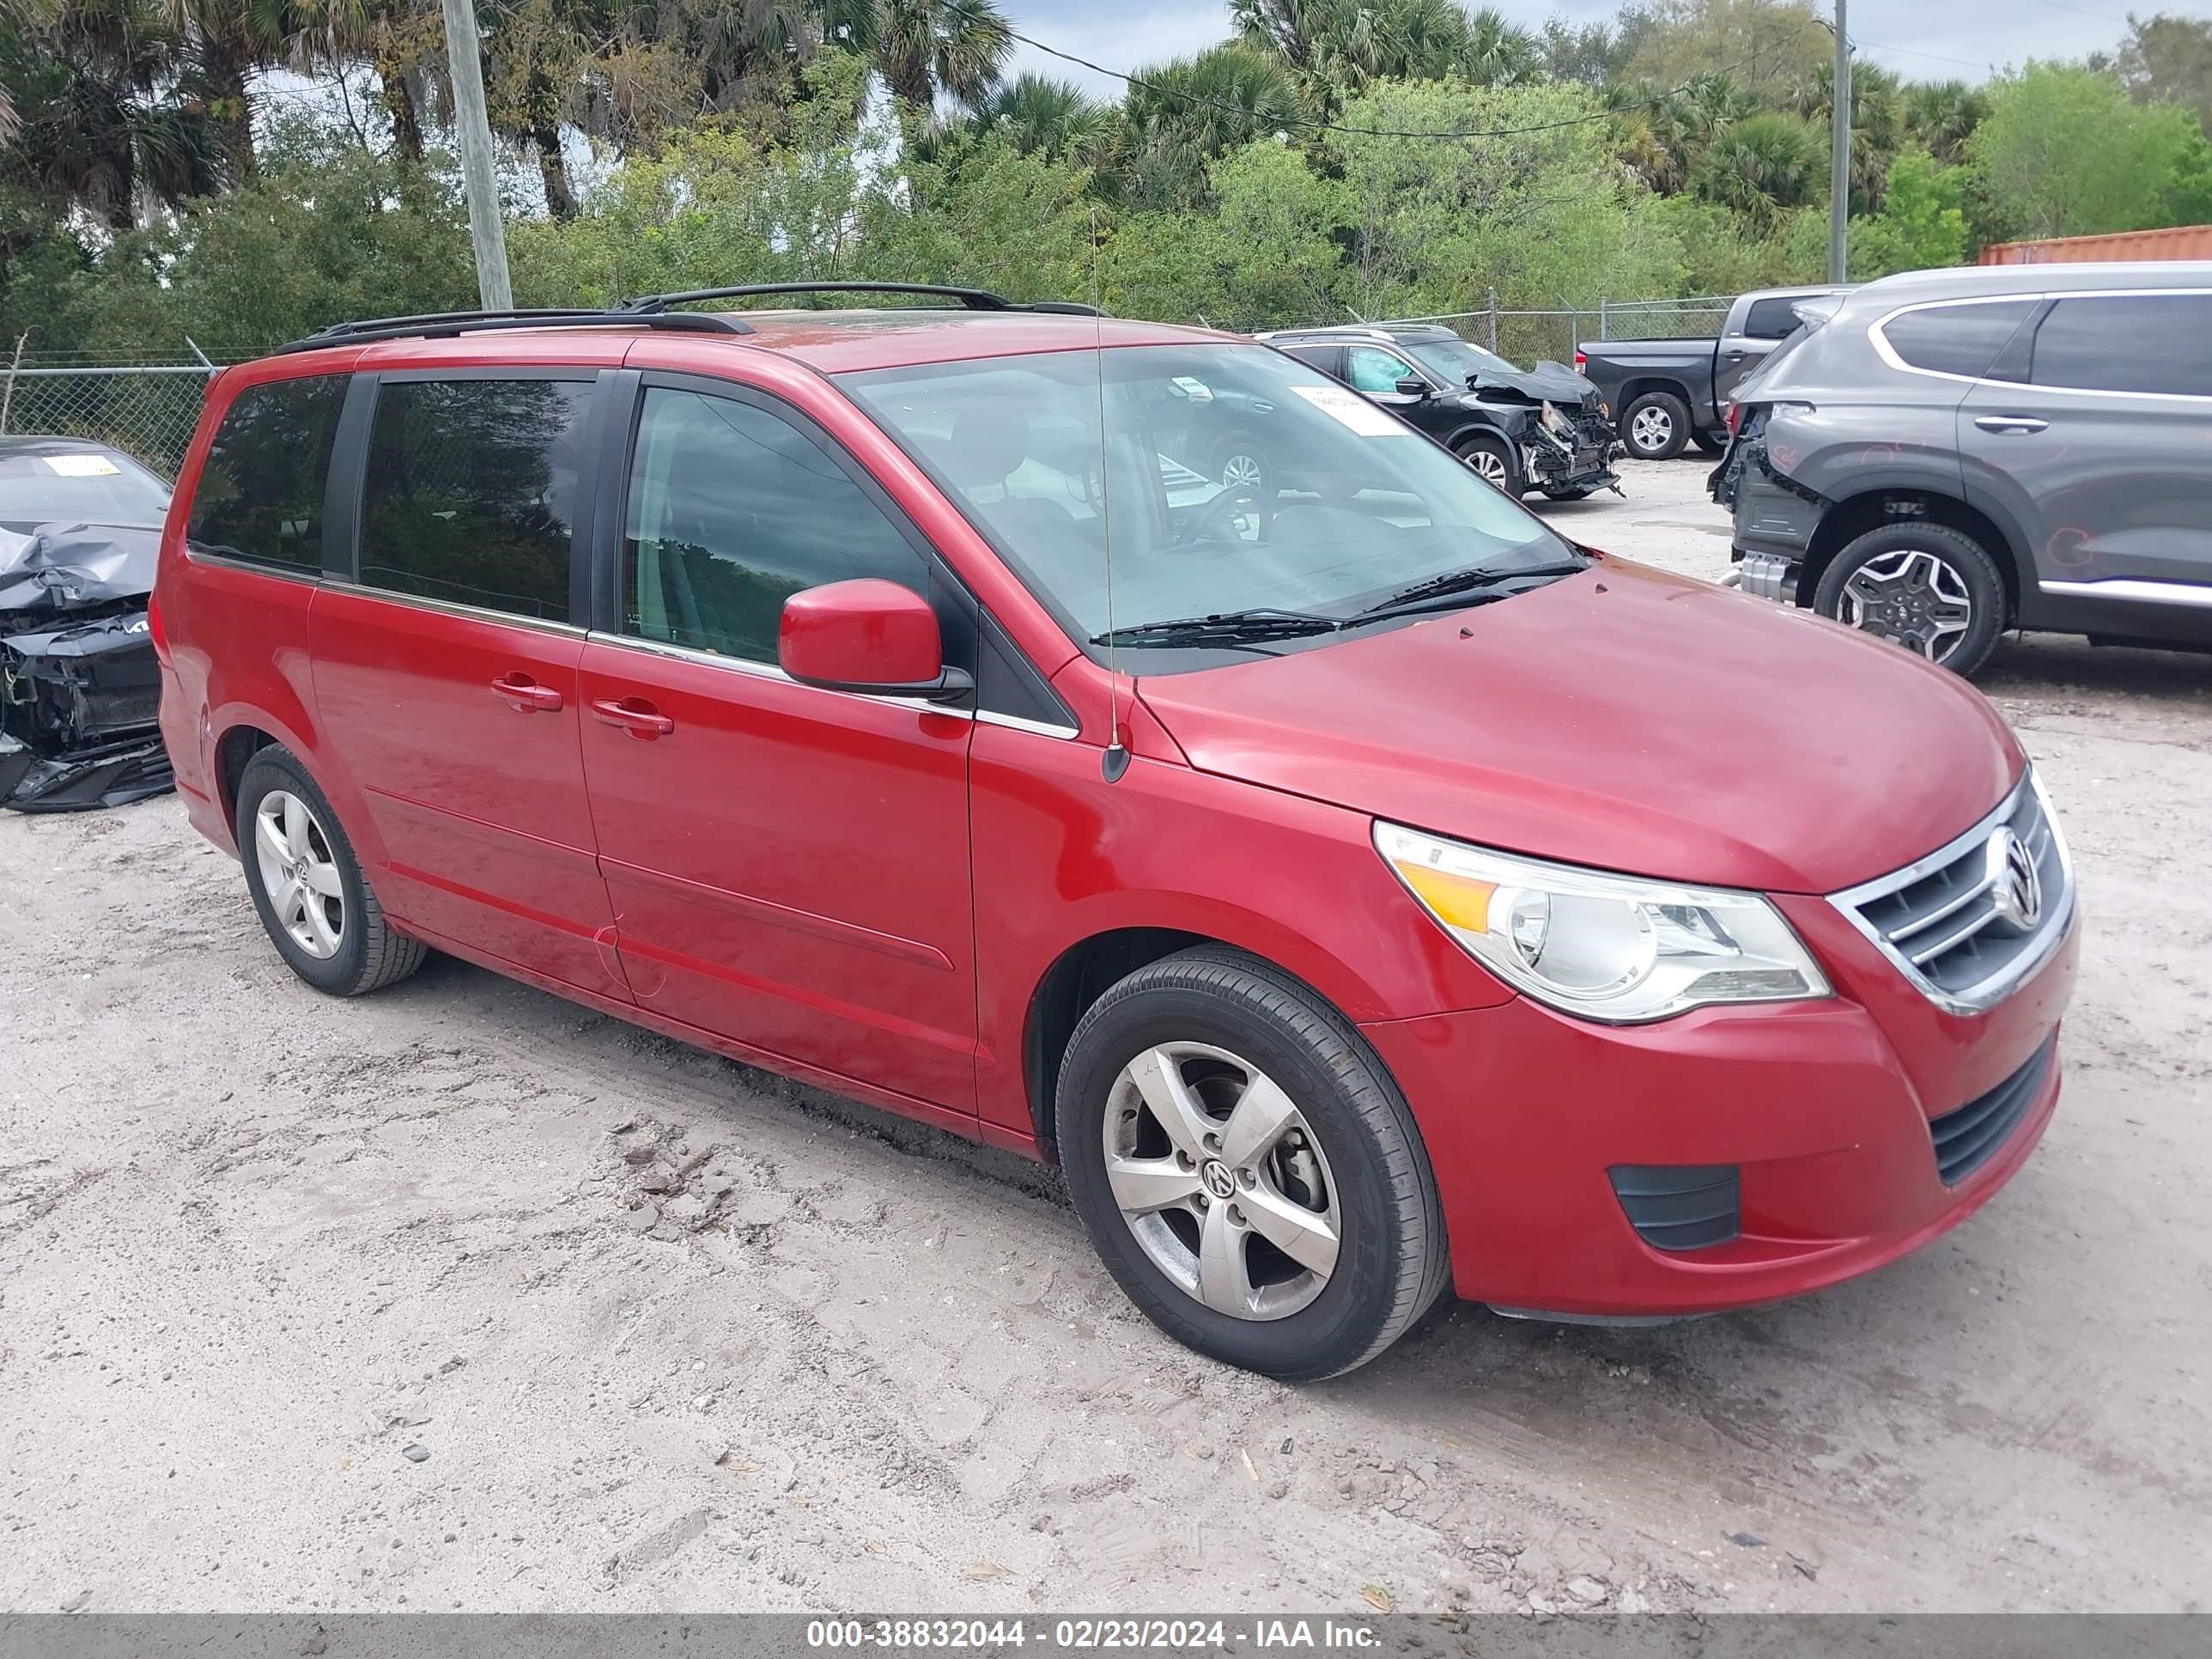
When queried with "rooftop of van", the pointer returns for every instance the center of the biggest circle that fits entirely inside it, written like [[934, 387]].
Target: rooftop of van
[[836, 341]]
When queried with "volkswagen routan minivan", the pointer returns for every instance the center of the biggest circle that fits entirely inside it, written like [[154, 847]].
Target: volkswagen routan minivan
[[1358, 888]]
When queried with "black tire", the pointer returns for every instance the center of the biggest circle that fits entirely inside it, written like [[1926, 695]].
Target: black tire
[[1391, 1263], [1662, 439], [1581, 493], [1239, 461], [1975, 574], [371, 954], [1482, 447], [1709, 444]]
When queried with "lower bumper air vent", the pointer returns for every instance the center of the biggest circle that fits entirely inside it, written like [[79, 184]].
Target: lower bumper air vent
[[1968, 1137], [1680, 1206]]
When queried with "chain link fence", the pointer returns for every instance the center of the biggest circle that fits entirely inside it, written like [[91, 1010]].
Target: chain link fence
[[146, 411], [1526, 337]]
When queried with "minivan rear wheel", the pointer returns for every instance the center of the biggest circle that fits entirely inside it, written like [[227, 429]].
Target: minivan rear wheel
[[307, 885], [1247, 1168], [1927, 587]]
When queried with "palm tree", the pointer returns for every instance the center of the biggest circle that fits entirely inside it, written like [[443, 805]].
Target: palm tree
[[1184, 115], [228, 42], [1334, 48], [925, 48], [1054, 118], [1761, 167], [100, 122], [1942, 115], [1877, 120]]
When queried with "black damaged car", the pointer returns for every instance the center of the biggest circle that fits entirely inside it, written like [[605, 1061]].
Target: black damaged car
[[80, 528], [1545, 428]]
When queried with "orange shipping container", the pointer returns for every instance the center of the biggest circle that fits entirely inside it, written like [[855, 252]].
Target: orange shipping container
[[2182, 242]]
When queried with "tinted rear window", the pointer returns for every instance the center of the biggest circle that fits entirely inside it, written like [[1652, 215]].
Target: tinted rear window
[[471, 490], [1770, 319], [260, 495], [2156, 342], [1956, 339]]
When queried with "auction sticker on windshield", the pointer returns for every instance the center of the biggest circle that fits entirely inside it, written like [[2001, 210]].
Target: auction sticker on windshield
[[1354, 410], [81, 466]]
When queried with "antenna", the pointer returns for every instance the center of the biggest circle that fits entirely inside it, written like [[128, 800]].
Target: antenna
[[1115, 761]]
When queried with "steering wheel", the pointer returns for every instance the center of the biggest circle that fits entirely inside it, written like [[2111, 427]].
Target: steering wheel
[[1218, 515]]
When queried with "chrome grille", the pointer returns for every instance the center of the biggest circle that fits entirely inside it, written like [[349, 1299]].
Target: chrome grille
[[1970, 921]]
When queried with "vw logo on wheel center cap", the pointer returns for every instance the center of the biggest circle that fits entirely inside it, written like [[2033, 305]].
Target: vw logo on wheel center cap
[[1217, 1180], [2015, 884]]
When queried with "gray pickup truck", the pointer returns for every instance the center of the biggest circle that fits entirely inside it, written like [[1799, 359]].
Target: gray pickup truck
[[1665, 394]]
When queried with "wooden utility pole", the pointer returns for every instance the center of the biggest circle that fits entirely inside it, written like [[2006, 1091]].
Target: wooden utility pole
[[1839, 160], [464, 54]]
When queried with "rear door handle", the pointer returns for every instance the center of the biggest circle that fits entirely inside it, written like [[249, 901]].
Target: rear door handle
[[635, 716], [526, 695], [2015, 424]]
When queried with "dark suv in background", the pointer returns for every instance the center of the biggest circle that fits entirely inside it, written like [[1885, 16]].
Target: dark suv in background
[[1953, 454], [1543, 428]]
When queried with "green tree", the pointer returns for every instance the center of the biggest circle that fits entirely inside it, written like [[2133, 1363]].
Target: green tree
[[1543, 209], [925, 49], [1923, 222], [1941, 115], [1762, 167], [1766, 44], [1181, 116], [2065, 152], [2168, 60]]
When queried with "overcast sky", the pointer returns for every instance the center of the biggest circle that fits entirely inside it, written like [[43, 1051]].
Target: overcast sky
[[1924, 39]]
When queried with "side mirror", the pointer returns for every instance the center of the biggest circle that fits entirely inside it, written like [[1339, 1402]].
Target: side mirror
[[871, 636], [1414, 388]]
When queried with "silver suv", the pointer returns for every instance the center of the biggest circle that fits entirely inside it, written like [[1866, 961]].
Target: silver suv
[[1948, 454]]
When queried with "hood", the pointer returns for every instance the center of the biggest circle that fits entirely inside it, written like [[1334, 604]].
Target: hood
[[1552, 382], [67, 567], [1623, 719]]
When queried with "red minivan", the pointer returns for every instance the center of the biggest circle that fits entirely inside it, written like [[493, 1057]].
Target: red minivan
[[1123, 745]]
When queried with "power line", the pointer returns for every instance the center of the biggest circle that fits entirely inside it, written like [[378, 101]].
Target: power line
[[1914, 51], [1306, 125]]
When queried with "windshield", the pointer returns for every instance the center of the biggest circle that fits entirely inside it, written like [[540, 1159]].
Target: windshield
[[1456, 359], [1233, 478], [80, 486]]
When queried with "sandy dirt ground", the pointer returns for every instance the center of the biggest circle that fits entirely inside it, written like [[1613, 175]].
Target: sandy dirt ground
[[347, 1305]]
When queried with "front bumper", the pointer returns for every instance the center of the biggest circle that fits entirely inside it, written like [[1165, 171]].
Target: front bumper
[[1821, 1109]]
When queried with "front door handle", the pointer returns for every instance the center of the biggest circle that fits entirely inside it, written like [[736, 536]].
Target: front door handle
[[2016, 425], [525, 695], [635, 716]]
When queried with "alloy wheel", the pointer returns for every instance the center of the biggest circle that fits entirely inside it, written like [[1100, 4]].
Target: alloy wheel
[[1653, 429], [1490, 465], [1912, 598], [1221, 1180], [299, 874], [1241, 472]]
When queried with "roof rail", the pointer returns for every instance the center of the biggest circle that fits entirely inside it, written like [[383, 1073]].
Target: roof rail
[[970, 299], [446, 325]]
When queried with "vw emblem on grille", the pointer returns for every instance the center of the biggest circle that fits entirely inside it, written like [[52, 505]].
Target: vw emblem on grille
[[2015, 884]]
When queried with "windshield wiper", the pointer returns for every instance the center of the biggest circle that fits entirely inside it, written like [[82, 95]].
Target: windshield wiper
[[1223, 627], [1455, 585]]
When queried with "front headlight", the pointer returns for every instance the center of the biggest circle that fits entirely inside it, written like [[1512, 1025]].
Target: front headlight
[[1556, 423], [1604, 947]]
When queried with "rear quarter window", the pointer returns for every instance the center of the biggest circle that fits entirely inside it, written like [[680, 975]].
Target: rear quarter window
[[1964, 340], [260, 495]]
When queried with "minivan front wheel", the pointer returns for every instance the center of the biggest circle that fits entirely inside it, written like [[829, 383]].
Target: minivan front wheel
[[307, 886], [1927, 587], [1247, 1169]]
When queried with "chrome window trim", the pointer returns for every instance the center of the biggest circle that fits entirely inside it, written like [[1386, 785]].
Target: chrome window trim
[[768, 670], [313, 574], [2130, 587], [453, 608], [2043, 943], [1020, 723], [1888, 353]]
